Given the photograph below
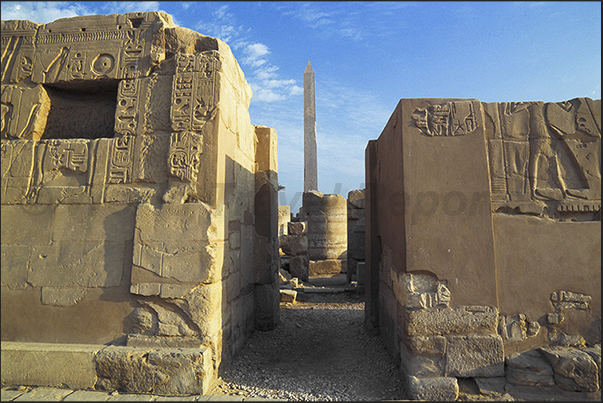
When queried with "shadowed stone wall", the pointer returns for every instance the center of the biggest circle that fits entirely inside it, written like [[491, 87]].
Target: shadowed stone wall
[[483, 243], [139, 204]]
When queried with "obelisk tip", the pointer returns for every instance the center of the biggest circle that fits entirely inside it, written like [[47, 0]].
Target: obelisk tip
[[308, 68]]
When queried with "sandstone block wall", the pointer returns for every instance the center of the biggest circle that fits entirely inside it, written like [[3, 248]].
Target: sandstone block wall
[[483, 241], [138, 201]]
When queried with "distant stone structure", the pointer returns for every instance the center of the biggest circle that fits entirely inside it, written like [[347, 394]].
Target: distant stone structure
[[356, 232], [139, 206], [284, 217], [310, 153], [483, 250], [326, 218]]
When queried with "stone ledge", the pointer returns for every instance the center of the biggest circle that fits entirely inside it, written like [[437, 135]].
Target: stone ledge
[[49, 364], [163, 371]]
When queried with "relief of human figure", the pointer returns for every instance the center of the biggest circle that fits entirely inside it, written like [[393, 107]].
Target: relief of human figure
[[558, 170]]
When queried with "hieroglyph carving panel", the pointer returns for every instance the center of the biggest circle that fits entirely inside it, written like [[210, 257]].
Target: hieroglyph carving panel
[[185, 153], [449, 119], [194, 90]]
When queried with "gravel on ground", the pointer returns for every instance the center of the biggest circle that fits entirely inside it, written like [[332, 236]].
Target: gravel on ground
[[319, 351]]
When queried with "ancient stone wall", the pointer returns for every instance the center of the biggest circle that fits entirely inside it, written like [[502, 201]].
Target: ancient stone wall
[[138, 202], [483, 253]]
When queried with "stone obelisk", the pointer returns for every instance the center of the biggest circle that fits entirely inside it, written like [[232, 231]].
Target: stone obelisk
[[310, 158]]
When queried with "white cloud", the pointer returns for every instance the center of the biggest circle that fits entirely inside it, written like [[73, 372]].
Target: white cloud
[[122, 7], [295, 90], [254, 54], [41, 12]]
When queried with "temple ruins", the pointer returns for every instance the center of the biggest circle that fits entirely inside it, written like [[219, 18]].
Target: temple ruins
[[139, 206], [141, 235], [483, 244]]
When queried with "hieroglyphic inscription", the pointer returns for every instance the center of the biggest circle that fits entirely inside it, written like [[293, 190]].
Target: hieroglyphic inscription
[[194, 91], [450, 119], [131, 52], [64, 37], [126, 112], [70, 155], [120, 163], [184, 157]]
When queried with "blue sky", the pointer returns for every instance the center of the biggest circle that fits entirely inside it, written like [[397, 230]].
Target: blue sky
[[368, 55]]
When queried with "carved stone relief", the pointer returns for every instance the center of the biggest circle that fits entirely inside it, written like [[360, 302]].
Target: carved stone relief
[[545, 158], [184, 157], [449, 119], [194, 95]]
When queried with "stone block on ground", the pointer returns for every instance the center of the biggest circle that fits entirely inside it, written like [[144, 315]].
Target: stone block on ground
[[288, 295], [49, 364], [327, 267], [181, 371], [574, 369], [299, 267], [528, 369], [433, 388]]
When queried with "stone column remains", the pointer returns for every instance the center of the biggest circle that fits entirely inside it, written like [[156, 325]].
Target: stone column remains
[[326, 215], [310, 158]]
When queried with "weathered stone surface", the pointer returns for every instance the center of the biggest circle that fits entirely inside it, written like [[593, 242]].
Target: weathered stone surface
[[15, 259], [491, 386], [464, 319], [164, 372], [421, 365], [294, 245], [267, 310], [356, 198], [433, 388], [476, 355], [310, 155], [326, 217], [77, 263], [528, 369], [159, 342], [87, 395], [562, 300], [59, 296], [42, 394], [299, 267], [297, 228], [164, 194], [284, 217], [574, 369], [288, 295], [433, 345], [17, 164], [49, 364], [508, 185], [326, 267], [420, 291]]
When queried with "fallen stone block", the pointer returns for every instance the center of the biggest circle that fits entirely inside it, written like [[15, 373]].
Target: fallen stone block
[[434, 388], [299, 267], [574, 369], [327, 267], [181, 371], [529, 369], [288, 295]]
